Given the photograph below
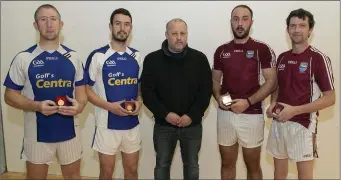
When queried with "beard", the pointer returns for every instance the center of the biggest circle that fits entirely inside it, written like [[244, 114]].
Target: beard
[[242, 36], [121, 36]]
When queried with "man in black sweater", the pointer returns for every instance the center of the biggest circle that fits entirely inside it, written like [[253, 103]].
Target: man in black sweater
[[176, 86]]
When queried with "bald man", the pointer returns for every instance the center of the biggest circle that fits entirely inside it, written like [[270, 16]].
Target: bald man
[[176, 85]]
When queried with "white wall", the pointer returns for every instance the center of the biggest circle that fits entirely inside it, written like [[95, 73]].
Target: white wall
[[86, 28]]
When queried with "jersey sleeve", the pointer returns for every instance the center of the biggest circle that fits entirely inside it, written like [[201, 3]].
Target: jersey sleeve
[[139, 60], [279, 59], [16, 78], [324, 73], [217, 64], [267, 57], [91, 68], [80, 77]]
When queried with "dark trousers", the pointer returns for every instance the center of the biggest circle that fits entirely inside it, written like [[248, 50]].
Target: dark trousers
[[165, 139]]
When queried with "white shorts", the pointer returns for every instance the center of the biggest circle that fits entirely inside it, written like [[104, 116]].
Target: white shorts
[[291, 140], [246, 129], [109, 141], [66, 152]]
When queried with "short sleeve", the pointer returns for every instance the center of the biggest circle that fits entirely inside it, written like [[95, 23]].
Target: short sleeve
[[80, 78], [139, 60], [267, 57], [323, 73], [217, 64], [16, 78], [91, 69]]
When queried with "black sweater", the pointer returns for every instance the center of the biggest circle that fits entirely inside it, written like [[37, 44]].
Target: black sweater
[[179, 83]]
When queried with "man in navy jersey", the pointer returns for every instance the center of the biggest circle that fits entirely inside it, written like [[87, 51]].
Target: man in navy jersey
[[304, 74], [51, 98], [114, 72], [243, 64]]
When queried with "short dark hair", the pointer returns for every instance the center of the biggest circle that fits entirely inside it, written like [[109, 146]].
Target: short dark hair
[[47, 6], [302, 14], [243, 6], [120, 11]]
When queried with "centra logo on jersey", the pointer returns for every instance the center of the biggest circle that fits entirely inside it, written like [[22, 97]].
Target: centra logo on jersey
[[41, 83], [120, 82]]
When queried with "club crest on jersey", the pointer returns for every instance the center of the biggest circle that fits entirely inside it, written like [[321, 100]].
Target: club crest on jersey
[[249, 54], [303, 66]]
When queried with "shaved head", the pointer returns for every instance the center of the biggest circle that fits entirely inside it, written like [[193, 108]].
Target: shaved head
[[175, 20]]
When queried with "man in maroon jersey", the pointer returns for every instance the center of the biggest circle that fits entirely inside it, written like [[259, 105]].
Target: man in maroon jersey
[[243, 64], [304, 73]]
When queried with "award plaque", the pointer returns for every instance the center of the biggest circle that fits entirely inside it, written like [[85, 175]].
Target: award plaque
[[227, 100], [61, 100], [277, 109], [129, 106]]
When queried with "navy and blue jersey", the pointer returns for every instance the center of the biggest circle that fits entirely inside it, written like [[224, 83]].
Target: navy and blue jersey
[[114, 76], [44, 75]]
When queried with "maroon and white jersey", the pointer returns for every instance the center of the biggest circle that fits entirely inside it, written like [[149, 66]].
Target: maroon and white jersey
[[301, 79], [241, 65]]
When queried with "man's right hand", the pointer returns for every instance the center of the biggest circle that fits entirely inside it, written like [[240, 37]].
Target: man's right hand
[[48, 107], [173, 118], [221, 105], [116, 108]]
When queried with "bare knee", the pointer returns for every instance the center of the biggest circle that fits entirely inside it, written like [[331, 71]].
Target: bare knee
[[280, 174], [229, 155], [36, 171], [252, 159], [106, 171], [130, 164], [71, 171], [228, 163], [72, 175], [130, 171], [305, 169], [132, 168], [107, 165], [281, 168], [252, 164], [305, 175], [75, 174]]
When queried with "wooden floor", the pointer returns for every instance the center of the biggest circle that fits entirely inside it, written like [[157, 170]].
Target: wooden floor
[[15, 175]]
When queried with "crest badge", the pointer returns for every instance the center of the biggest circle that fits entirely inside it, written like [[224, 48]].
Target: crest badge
[[303, 66], [250, 53]]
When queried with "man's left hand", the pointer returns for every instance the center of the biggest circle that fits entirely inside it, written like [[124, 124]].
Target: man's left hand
[[239, 105], [70, 110], [138, 105], [287, 113], [184, 121]]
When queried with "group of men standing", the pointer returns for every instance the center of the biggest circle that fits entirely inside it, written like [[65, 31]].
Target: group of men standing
[[49, 82]]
